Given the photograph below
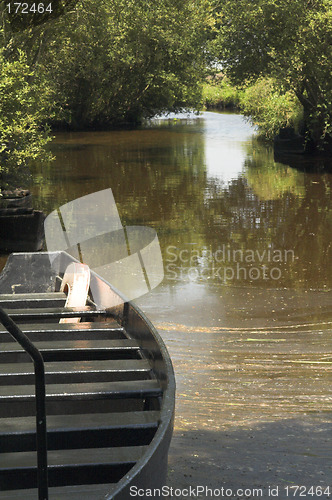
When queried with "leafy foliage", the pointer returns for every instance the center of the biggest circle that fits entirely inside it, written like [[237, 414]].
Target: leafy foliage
[[289, 41], [269, 108], [117, 62], [104, 63], [22, 110], [221, 94]]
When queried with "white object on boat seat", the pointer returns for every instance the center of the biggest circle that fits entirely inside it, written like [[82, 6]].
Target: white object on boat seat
[[75, 283]]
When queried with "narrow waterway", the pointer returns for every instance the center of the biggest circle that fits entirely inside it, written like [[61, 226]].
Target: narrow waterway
[[245, 306]]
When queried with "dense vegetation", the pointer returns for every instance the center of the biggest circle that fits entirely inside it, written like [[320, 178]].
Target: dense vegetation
[[270, 108], [102, 63], [105, 64], [23, 101], [218, 93], [290, 42], [264, 104], [115, 62]]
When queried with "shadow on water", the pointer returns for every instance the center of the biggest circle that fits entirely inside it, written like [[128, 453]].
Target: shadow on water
[[264, 461], [309, 164]]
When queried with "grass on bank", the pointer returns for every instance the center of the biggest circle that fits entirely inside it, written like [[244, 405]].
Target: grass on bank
[[220, 94]]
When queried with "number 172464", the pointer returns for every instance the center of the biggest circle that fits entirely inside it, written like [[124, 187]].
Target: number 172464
[[25, 8], [309, 492]]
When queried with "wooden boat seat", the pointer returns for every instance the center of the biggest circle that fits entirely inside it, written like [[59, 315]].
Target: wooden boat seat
[[69, 431], [87, 391], [85, 492], [119, 420], [25, 300], [55, 313], [70, 331], [65, 465], [73, 350], [77, 371]]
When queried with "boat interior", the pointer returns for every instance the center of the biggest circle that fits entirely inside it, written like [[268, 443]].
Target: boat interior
[[107, 395]]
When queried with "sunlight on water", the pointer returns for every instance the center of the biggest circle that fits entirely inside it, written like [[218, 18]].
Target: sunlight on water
[[244, 239], [245, 303]]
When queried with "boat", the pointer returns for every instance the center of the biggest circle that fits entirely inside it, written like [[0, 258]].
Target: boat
[[109, 388], [21, 227], [288, 142]]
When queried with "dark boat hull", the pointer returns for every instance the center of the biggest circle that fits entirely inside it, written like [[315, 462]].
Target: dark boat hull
[[27, 274], [21, 230]]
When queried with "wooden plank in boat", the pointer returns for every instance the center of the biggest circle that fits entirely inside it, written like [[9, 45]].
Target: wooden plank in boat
[[87, 326], [73, 344], [126, 454], [71, 432], [133, 419], [89, 391], [42, 313], [86, 367], [67, 331], [85, 492], [25, 300], [66, 467], [71, 350], [76, 371]]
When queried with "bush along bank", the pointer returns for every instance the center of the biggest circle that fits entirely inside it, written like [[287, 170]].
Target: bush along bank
[[280, 117], [277, 114], [220, 94]]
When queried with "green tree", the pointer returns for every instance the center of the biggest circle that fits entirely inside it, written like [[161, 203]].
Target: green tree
[[117, 62], [95, 63], [290, 41], [22, 111]]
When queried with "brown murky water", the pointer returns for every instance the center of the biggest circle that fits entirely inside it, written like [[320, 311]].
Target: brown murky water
[[246, 304]]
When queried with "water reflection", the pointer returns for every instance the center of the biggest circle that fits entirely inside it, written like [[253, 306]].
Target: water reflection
[[268, 179], [213, 193], [247, 250], [226, 144]]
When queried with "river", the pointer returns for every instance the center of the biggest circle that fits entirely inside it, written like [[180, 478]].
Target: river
[[245, 306]]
